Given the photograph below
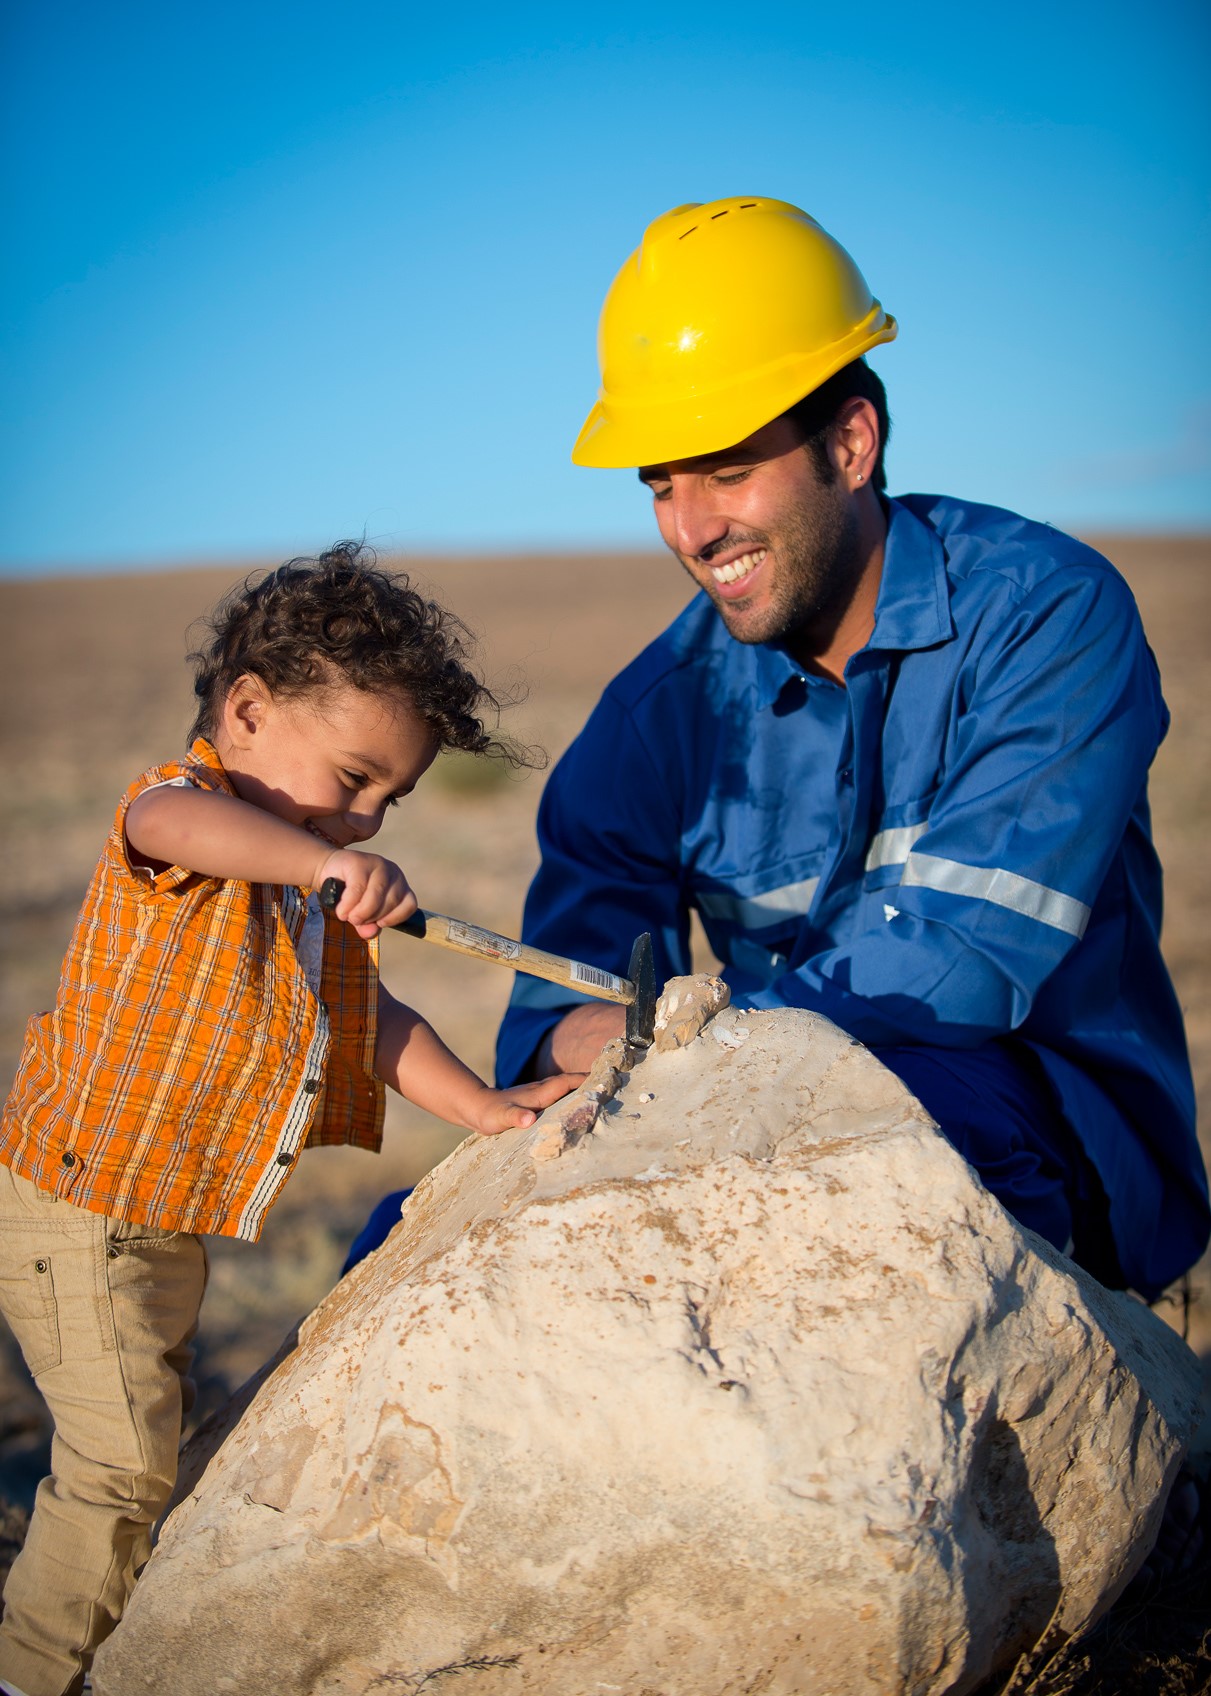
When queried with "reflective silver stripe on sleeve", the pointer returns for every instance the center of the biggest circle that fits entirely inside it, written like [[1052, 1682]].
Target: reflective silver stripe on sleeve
[[890, 847], [754, 912], [1002, 888]]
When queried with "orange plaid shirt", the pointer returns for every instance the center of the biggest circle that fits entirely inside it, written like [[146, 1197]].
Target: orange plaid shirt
[[205, 1032]]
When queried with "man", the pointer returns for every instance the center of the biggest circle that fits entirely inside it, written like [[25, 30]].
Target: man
[[895, 754]]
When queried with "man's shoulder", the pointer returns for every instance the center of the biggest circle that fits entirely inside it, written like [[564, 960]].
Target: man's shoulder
[[986, 543], [691, 651]]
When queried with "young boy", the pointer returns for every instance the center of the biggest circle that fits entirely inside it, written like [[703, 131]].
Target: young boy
[[211, 1022]]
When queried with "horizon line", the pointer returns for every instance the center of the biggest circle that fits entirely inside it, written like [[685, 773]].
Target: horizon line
[[249, 559]]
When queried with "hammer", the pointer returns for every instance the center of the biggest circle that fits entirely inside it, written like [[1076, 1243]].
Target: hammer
[[637, 992]]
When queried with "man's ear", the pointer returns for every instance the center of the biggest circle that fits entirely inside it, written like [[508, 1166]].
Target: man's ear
[[245, 710], [855, 441]]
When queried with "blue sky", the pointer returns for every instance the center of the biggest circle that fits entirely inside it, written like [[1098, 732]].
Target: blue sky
[[279, 274]]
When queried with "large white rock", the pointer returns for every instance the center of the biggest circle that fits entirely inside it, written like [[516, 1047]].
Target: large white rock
[[750, 1387]]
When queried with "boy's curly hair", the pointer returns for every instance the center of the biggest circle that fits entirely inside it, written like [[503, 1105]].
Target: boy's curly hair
[[339, 618]]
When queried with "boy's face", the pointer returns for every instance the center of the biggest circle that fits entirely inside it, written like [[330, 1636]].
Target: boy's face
[[332, 764]]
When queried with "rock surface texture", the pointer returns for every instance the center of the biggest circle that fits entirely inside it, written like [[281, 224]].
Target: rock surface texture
[[749, 1387]]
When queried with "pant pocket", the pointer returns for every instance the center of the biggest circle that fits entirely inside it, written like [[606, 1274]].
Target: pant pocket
[[27, 1300], [122, 1236]]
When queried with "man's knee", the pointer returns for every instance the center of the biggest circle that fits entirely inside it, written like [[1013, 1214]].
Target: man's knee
[[993, 1108]]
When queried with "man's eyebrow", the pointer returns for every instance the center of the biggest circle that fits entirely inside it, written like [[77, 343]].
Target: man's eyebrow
[[702, 462]]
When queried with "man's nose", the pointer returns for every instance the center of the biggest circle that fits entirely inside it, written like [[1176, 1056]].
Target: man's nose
[[696, 519]]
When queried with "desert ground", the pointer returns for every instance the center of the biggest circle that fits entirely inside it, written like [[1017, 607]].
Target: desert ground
[[93, 687]]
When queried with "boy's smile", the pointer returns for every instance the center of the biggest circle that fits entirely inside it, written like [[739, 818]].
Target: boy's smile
[[331, 764]]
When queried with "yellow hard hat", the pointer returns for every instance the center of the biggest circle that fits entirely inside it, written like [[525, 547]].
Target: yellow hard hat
[[724, 316]]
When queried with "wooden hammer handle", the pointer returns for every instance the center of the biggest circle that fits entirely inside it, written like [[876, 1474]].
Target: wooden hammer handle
[[482, 944]]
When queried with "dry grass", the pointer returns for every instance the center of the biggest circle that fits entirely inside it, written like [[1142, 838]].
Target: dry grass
[[92, 689]]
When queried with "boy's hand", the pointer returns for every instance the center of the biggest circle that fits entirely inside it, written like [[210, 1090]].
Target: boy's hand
[[376, 892], [506, 1109]]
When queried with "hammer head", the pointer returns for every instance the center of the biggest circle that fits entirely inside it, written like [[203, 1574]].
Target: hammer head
[[641, 1013]]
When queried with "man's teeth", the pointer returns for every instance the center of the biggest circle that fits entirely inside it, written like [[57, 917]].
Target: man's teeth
[[735, 569]]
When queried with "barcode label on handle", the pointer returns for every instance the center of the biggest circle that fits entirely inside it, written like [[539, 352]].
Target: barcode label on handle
[[599, 979]]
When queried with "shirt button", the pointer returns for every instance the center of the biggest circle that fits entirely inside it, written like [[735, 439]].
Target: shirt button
[[285, 1159], [68, 1157], [311, 1086]]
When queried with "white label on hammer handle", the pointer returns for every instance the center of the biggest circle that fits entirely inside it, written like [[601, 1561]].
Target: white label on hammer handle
[[601, 980], [482, 941]]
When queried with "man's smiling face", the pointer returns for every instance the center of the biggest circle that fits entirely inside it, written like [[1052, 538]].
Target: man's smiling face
[[772, 543]]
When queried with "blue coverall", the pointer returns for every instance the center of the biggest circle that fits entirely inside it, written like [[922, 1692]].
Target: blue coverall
[[950, 857]]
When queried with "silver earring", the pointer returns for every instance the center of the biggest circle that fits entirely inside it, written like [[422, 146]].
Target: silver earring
[[859, 477]]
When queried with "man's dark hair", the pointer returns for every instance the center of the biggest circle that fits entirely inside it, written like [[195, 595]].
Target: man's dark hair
[[312, 623], [816, 413]]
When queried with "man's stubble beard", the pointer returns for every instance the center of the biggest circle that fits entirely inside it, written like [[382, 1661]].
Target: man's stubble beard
[[818, 564]]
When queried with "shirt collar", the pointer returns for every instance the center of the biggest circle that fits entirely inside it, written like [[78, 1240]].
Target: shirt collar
[[204, 753], [774, 669], [913, 608]]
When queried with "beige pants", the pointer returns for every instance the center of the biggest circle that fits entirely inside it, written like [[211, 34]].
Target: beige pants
[[104, 1312]]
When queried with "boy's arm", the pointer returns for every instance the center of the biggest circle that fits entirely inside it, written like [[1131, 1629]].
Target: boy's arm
[[222, 836], [413, 1059]]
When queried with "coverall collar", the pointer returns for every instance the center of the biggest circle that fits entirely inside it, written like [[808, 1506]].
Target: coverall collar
[[912, 610]]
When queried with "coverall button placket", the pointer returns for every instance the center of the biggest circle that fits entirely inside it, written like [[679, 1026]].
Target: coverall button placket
[[865, 694], [828, 699]]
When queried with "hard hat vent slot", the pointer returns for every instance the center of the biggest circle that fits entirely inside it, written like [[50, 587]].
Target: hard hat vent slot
[[745, 206]]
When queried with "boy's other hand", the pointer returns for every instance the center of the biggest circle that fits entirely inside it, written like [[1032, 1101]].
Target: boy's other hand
[[508, 1109], [376, 892]]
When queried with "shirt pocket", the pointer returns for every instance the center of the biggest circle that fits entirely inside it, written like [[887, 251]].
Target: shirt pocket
[[205, 986], [27, 1299], [230, 988]]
